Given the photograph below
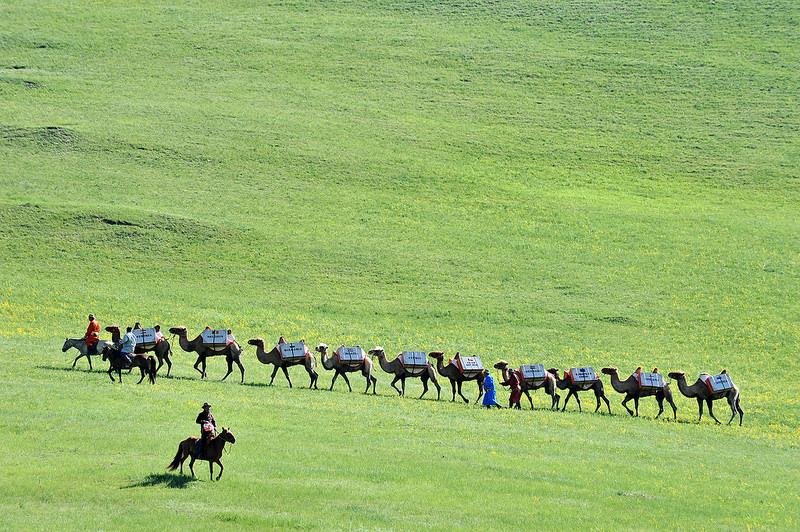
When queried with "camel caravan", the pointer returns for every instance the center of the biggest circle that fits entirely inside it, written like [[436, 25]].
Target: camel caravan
[[141, 347]]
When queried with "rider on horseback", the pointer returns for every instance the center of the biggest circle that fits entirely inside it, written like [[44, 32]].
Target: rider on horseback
[[207, 427], [127, 345], [92, 336]]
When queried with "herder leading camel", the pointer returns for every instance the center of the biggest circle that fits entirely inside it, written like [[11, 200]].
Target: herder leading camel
[[549, 385]]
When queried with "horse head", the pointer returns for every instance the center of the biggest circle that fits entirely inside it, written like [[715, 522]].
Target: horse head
[[67, 345], [227, 436]]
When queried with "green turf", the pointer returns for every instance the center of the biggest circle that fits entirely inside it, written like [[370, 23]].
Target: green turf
[[609, 183]]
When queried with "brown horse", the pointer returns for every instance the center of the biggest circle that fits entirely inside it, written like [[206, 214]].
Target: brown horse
[[211, 453], [117, 362]]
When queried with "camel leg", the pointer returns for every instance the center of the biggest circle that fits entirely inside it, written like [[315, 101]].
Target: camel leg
[[709, 402], [333, 381], [169, 364], [674, 408], [461, 394], [424, 387], [566, 400], [700, 408], [395, 387], [578, 400], [201, 371], [191, 467], [636, 405], [732, 404], [286, 372], [230, 370], [241, 369], [528, 395], [374, 383], [313, 375], [220, 469], [453, 389], [608, 405], [660, 400], [274, 372], [160, 362], [624, 403], [344, 376], [480, 391], [739, 409], [403, 385]]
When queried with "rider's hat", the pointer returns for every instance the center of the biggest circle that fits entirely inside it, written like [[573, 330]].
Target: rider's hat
[[206, 405]]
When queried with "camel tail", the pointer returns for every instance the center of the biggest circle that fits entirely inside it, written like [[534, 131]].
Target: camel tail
[[176, 462]]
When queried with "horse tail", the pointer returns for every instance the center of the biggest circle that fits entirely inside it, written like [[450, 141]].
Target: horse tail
[[176, 462], [151, 369]]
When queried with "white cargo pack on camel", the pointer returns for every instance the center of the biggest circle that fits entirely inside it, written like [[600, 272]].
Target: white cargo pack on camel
[[145, 338], [717, 384], [533, 373], [352, 356], [414, 362], [649, 381], [215, 339], [584, 377], [469, 367], [293, 350]]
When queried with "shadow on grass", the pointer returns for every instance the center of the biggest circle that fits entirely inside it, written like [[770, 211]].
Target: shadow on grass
[[67, 368], [167, 480]]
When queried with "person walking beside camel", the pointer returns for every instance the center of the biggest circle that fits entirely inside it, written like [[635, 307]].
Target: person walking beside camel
[[489, 395], [92, 336], [512, 381]]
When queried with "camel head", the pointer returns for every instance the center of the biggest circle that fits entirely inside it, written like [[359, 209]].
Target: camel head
[[501, 364], [437, 355], [257, 342], [676, 374], [377, 350], [112, 328], [321, 348], [180, 331], [553, 371], [609, 371]]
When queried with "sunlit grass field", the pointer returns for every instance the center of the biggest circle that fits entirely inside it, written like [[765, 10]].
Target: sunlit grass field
[[610, 183]]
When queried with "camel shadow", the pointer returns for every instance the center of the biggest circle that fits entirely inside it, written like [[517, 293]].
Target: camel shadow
[[167, 480]]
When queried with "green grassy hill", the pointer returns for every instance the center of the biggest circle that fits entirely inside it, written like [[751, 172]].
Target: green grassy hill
[[610, 183]]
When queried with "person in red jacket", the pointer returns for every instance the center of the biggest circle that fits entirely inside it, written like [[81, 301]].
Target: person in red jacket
[[92, 336], [516, 391]]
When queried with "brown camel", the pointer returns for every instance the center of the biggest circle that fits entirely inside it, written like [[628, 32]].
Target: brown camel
[[365, 367], [549, 385], [231, 353], [274, 357], [566, 384], [630, 387], [212, 452], [456, 377], [699, 390], [162, 349], [401, 373]]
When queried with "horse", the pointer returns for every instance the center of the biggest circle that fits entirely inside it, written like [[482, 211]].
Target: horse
[[80, 345], [212, 452], [117, 362]]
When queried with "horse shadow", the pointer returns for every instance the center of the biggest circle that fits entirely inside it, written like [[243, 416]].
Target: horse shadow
[[63, 368], [167, 480]]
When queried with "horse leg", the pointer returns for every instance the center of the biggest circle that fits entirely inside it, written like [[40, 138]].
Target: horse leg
[[89, 358], [230, 370], [80, 355], [119, 374], [344, 376], [141, 370], [110, 369], [709, 402], [286, 372], [220, 468], [211, 469], [274, 371], [625, 404], [191, 467]]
